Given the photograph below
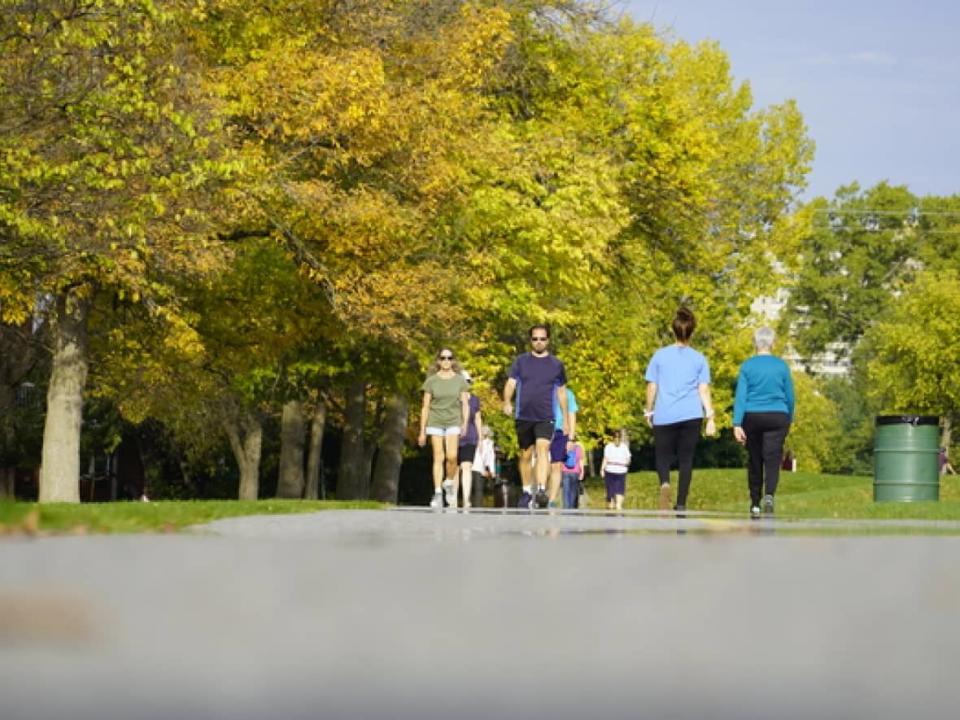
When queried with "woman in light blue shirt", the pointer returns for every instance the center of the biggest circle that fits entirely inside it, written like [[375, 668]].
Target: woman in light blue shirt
[[678, 400], [762, 412]]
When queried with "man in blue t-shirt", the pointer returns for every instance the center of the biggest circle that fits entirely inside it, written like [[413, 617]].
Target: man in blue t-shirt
[[539, 379]]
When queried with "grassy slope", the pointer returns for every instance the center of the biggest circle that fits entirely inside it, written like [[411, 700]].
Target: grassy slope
[[147, 517], [800, 494]]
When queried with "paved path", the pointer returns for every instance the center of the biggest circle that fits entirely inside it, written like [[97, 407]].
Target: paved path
[[408, 614]]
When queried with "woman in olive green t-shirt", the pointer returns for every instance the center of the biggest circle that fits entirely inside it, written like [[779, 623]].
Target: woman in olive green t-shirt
[[444, 418]]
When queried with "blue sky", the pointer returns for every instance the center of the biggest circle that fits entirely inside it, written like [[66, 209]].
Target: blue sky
[[878, 82]]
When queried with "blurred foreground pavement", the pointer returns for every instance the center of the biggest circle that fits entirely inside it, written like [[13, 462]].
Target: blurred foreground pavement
[[409, 614]]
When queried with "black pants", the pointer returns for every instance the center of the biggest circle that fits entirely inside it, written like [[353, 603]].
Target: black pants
[[676, 441], [766, 432]]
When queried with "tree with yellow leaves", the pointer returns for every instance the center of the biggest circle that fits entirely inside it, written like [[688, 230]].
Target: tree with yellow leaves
[[107, 176]]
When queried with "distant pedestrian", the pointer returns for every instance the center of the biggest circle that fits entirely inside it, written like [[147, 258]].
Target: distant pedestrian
[[572, 475], [945, 466], [484, 464], [762, 412], [614, 468], [678, 400], [443, 418], [539, 379], [467, 450], [561, 443]]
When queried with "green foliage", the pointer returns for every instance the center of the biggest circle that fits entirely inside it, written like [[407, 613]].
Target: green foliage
[[802, 495], [134, 517], [914, 364], [816, 438], [272, 199], [851, 269]]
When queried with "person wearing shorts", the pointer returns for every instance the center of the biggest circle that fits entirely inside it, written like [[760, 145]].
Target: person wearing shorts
[[467, 449], [539, 379], [561, 443], [616, 463], [443, 418], [572, 476]]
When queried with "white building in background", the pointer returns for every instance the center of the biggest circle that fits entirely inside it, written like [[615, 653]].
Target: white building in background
[[835, 361]]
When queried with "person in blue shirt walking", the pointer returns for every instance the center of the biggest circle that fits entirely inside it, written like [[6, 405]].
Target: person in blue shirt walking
[[561, 444], [678, 400], [762, 412]]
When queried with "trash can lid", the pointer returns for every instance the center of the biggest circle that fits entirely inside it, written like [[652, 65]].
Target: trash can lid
[[908, 420]]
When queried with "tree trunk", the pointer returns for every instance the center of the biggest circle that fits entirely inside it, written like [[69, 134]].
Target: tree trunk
[[8, 478], [60, 459], [314, 490], [292, 439], [386, 474], [7, 438], [351, 483], [246, 441]]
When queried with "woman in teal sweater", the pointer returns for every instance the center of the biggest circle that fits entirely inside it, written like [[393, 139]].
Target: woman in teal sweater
[[762, 413]]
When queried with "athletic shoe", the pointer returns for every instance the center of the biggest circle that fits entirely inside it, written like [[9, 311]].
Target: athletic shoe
[[680, 510], [449, 494], [542, 500], [768, 504], [665, 500], [551, 505], [437, 502], [526, 500], [754, 511]]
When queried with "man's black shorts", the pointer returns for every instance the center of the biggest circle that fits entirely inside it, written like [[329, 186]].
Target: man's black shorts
[[529, 431]]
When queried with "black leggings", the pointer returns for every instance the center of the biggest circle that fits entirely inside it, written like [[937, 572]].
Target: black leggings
[[766, 432], [676, 441]]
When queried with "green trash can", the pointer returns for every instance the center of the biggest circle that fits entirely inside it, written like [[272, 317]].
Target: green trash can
[[906, 458]]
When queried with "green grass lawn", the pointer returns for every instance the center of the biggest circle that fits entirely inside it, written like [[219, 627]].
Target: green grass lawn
[[802, 495], [807, 495], [125, 517]]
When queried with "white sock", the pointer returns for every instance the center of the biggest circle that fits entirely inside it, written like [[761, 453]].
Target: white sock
[[528, 489]]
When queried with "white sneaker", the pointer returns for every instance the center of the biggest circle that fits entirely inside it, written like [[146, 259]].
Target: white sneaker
[[437, 502], [450, 494]]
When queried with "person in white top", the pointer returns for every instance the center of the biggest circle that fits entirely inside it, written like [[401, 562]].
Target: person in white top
[[616, 463], [484, 463]]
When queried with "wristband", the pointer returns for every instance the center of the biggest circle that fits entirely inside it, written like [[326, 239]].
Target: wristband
[[648, 413]]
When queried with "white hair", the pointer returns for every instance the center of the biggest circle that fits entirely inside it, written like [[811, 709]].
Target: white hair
[[763, 339]]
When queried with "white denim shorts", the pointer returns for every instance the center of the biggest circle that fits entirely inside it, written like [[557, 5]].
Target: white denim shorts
[[443, 431]]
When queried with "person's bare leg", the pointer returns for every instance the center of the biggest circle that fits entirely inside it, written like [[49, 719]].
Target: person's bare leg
[[436, 444], [450, 465], [525, 467], [466, 481], [543, 462], [553, 490]]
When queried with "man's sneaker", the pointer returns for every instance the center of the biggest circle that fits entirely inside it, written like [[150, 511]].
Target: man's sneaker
[[541, 499], [754, 511], [768, 504], [680, 510], [525, 500], [665, 500], [551, 505], [437, 502]]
